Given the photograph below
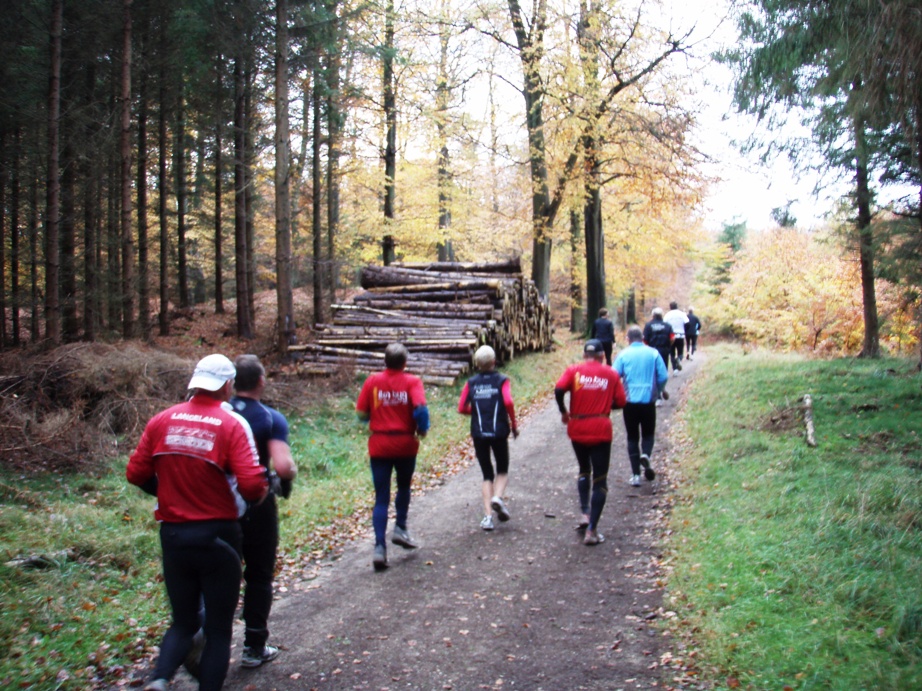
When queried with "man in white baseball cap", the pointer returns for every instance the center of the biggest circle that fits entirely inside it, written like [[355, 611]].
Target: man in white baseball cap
[[199, 460]]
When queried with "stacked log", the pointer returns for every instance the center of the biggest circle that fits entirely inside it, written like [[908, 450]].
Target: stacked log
[[441, 311]]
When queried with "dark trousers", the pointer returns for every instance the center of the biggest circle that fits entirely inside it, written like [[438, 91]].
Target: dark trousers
[[607, 346], [593, 463], [201, 564], [381, 470], [640, 425], [260, 542], [692, 344], [678, 348], [500, 448], [664, 353]]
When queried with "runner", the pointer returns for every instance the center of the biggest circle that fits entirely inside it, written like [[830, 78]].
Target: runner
[[677, 319], [645, 376], [658, 335], [199, 460], [487, 398], [595, 390], [692, 329], [261, 523], [394, 405], [604, 331]]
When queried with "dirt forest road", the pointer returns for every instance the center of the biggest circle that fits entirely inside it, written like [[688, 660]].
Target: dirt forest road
[[527, 606]]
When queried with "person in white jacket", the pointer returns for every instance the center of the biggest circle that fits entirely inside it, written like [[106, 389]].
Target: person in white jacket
[[677, 319]]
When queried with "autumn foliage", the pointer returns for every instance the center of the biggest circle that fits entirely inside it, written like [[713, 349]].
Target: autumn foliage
[[798, 290]]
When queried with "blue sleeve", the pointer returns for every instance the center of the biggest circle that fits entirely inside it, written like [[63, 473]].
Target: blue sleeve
[[619, 365], [279, 427], [421, 416]]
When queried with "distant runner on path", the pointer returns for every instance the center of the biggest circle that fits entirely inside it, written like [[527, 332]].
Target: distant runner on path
[[394, 405], [645, 377], [604, 330], [677, 319], [658, 335], [692, 329], [487, 398], [595, 390]]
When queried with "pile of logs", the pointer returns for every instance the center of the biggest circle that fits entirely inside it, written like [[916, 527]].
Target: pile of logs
[[442, 312]]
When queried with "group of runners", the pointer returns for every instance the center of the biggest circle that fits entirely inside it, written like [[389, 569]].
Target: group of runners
[[217, 462]]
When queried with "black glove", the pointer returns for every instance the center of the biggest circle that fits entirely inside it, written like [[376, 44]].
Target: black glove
[[278, 486]]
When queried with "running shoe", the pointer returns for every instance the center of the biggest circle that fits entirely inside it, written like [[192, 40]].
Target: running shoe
[[648, 472], [379, 561], [401, 536], [635, 480], [665, 395], [500, 508], [253, 658], [659, 403], [157, 685], [593, 537], [487, 523], [583, 522], [678, 366]]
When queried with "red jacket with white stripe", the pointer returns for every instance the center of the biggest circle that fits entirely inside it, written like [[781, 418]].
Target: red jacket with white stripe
[[204, 460]]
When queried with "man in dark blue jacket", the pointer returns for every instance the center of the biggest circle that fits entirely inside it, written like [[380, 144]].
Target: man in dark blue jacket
[[603, 330]]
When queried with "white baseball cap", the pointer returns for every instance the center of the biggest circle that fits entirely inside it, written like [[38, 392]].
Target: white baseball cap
[[212, 372]]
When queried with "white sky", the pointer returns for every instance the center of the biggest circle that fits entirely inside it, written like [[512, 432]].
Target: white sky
[[747, 190]]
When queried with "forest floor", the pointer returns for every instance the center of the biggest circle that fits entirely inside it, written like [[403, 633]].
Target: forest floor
[[527, 606]]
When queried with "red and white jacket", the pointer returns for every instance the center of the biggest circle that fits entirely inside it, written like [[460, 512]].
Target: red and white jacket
[[204, 459]]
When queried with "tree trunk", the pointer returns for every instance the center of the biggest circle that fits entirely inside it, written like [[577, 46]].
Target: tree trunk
[[32, 234], [143, 248], [335, 118], [444, 248], [53, 186], [113, 264], [128, 326], [286, 325], [4, 167], [163, 320], [531, 52], [15, 191], [244, 329], [218, 212], [577, 315], [179, 174], [249, 165], [91, 184], [390, 116], [69, 325], [871, 346], [317, 201]]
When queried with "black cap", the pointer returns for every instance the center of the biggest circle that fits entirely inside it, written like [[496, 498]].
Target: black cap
[[593, 346]]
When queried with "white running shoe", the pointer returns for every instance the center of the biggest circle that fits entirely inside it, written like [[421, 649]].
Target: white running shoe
[[500, 508], [487, 523], [635, 480]]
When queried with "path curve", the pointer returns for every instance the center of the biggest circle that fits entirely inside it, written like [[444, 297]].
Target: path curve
[[527, 606]]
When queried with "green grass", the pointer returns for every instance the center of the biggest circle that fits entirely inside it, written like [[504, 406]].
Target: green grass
[[99, 604], [798, 566]]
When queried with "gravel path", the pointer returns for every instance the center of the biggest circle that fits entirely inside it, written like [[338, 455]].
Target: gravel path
[[527, 606]]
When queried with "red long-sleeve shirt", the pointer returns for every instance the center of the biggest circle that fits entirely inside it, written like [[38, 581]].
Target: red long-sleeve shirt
[[595, 388], [204, 459]]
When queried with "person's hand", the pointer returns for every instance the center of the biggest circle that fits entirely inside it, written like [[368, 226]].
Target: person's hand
[[421, 435], [515, 433], [565, 417], [275, 484]]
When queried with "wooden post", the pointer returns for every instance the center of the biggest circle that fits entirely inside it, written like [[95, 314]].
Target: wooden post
[[808, 420]]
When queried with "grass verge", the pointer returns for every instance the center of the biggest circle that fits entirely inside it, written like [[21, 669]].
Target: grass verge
[[91, 603], [798, 567]]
